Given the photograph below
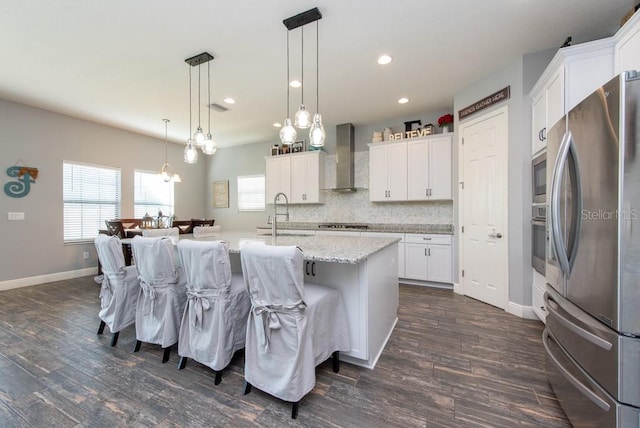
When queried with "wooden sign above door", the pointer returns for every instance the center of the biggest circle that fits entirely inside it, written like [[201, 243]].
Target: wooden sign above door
[[495, 98]]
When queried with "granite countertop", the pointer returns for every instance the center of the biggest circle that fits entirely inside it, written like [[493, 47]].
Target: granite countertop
[[445, 229], [332, 249]]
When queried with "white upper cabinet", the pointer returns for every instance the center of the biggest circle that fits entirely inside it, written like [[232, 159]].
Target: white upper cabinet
[[628, 45], [277, 177], [388, 172], [298, 175], [429, 168], [573, 73], [307, 176]]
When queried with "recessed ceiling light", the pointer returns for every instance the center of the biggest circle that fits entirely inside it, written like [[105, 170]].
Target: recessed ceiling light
[[384, 60], [403, 100], [277, 125], [295, 84], [229, 100]]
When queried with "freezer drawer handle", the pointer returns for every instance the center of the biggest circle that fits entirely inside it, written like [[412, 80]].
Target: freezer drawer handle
[[571, 378], [552, 306]]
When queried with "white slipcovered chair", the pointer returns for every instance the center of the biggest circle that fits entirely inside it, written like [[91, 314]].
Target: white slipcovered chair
[[205, 231], [214, 323], [119, 289], [292, 326], [162, 294], [154, 233]]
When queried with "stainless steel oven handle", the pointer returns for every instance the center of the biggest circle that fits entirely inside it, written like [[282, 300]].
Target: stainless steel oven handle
[[552, 306], [571, 378]]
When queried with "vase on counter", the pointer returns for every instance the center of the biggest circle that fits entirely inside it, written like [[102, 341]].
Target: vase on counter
[[445, 129]]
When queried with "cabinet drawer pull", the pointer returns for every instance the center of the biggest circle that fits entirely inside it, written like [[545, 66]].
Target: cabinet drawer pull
[[313, 269], [427, 239], [306, 268]]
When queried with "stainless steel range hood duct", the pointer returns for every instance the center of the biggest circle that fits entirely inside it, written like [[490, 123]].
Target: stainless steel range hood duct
[[345, 148]]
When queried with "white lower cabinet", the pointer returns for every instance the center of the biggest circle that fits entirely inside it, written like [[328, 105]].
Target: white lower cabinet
[[400, 247], [537, 296], [428, 257]]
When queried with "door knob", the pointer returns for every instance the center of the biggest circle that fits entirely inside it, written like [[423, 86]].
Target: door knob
[[495, 235]]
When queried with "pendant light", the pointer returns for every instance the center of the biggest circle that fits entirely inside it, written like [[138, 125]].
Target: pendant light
[[165, 171], [209, 147], [317, 134], [303, 117], [198, 137], [190, 152], [288, 133]]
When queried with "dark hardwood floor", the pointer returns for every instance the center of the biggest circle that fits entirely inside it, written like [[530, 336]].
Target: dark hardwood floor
[[451, 362]]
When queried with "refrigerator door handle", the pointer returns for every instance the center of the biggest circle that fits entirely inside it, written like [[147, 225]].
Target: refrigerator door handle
[[559, 244], [552, 306], [577, 215], [571, 378]]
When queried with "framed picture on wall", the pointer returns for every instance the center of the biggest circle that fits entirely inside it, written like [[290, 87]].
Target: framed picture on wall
[[221, 194], [297, 147]]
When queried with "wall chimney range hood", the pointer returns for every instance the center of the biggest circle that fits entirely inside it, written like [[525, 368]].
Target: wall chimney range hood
[[345, 147]]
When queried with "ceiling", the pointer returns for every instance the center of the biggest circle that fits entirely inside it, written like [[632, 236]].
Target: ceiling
[[121, 62]]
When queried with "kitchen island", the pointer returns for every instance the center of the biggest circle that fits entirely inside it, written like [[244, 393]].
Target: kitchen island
[[364, 269]]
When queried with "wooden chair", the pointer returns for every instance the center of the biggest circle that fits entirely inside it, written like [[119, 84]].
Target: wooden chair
[[184, 226], [115, 228], [201, 222], [131, 223]]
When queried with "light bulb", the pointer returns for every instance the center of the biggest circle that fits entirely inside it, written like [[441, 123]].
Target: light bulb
[[198, 137], [190, 153], [209, 146], [176, 178], [316, 133], [288, 133], [303, 118]]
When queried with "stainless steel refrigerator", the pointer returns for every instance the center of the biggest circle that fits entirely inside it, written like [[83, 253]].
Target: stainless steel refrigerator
[[592, 334]]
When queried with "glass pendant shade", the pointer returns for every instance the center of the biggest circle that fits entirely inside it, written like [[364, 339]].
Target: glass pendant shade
[[190, 153], [209, 146], [199, 137], [164, 173], [303, 118], [317, 134], [288, 133]]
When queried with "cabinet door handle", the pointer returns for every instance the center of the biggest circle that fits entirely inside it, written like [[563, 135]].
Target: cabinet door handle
[[425, 251], [306, 268], [540, 135], [313, 268], [544, 133], [429, 252]]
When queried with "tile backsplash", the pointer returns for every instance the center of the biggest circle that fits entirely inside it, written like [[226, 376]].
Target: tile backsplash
[[356, 208]]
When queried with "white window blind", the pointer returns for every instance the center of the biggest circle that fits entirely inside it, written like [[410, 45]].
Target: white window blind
[[91, 195], [151, 194], [251, 193]]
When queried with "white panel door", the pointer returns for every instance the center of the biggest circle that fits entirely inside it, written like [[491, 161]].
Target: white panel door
[[439, 263], [484, 260]]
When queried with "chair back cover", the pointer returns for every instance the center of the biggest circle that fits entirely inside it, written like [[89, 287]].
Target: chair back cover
[[162, 290], [214, 323], [203, 231], [273, 274], [119, 284], [170, 231]]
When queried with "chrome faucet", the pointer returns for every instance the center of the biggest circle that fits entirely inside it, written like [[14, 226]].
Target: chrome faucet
[[274, 221]]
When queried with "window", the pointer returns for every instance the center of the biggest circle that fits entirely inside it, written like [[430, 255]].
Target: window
[[151, 194], [91, 195], [251, 193]]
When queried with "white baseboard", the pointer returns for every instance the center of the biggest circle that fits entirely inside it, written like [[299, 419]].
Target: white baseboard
[[521, 311], [457, 288], [41, 279]]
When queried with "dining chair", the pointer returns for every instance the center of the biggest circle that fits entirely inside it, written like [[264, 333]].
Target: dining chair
[[205, 231], [131, 223], [184, 226], [162, 295], [214, 323], [119, 287], [201, 222], [292, 327], [170, 231], [115, 228]]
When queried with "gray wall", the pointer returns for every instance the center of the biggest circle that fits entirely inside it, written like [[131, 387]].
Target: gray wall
[[521, 74], [43, 139]]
